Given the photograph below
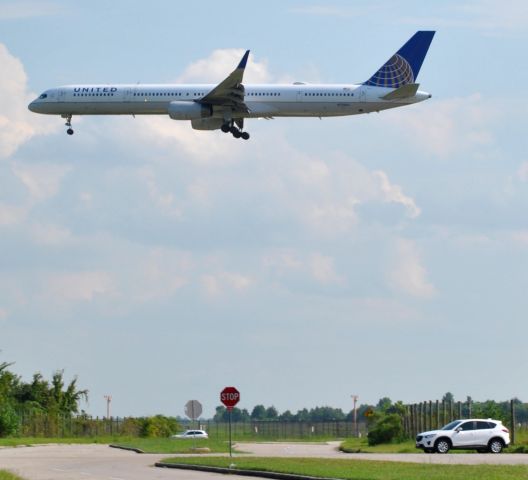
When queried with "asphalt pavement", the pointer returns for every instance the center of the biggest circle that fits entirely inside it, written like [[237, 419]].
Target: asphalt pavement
[[100, 462]]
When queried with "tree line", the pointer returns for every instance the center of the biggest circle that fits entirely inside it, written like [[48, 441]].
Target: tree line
[[486, 409], [53, 398]]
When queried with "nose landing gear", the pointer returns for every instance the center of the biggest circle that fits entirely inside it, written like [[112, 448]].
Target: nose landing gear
[[68, 118]]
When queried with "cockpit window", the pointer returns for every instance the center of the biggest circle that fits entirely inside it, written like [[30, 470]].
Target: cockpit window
[[44, 95]]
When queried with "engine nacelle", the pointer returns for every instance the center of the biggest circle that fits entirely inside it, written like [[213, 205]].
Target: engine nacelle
[[188, 110], [207, 123]]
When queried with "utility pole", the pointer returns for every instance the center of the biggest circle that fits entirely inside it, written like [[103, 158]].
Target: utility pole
[[108, 399], [356, 427]]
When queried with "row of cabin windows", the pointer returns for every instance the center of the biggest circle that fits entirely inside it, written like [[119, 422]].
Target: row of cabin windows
[[251, 94], [166, 94], [93, 94], [328, 94]]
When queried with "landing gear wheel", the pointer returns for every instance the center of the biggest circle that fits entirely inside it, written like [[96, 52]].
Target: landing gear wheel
[[495, 446], [442, 446], [245, 135], [68, 124], [236, 133], [225, 128]]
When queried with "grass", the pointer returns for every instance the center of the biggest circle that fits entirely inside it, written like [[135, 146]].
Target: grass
[[5, 475], [364, 469]]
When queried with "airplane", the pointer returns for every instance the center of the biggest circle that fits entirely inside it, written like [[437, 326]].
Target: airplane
[[225, 106]]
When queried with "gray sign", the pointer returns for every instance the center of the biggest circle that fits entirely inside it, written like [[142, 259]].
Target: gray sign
[[193, 409]]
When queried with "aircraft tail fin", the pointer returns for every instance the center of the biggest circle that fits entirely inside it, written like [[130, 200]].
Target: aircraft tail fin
[[403, 67]]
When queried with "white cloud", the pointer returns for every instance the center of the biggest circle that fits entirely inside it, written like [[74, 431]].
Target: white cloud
[[42, 180], [394, 194], [220, 64], [216, 284], [17, 123], [78, 286], [323, 269], [406, 273], [11, 214], [520, 237], [51, 235], [452, 126], [335, 10], [27, 9], [522, 172], [166, 202], [161, 274], [490, 16]]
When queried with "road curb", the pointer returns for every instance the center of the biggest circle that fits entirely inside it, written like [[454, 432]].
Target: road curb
[[239, 471], [131, 449]]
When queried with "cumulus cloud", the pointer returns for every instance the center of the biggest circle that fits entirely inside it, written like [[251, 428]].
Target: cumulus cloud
[[51, 235], [406, 273], [17, 124], [160, 274], [220, 63], [26, 9], [323, 269], [216, 284], [522, 172], [489, 16], [42, 180], [394, 194], [12, 214], [454, 125], [78, 286]]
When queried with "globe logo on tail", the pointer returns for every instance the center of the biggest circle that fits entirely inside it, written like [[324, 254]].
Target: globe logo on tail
[[395, 73]]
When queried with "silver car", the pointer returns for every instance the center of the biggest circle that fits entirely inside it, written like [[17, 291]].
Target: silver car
[[192, 434], [484, 435]]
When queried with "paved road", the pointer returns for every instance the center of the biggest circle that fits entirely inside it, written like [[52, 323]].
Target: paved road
[[99, 462], [89, 462]]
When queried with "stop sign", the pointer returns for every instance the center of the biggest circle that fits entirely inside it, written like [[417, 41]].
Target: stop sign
[[229, 396]]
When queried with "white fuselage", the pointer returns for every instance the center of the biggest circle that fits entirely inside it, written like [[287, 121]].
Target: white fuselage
[[278, 100]]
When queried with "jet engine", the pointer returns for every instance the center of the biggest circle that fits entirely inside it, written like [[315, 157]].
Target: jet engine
[[188, 110]]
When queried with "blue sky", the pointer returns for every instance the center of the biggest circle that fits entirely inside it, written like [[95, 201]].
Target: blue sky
[[378, 255]]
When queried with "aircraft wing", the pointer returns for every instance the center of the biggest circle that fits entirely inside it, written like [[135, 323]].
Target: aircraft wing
[[230, 92]]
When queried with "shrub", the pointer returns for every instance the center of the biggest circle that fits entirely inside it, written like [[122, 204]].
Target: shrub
[[388, 428], [158, 426], [9, 421]]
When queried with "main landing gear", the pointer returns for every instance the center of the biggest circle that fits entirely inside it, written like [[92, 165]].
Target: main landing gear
[[234, 130], [68, 124]]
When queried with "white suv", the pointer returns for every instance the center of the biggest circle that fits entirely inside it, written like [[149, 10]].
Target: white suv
[[483, 435]]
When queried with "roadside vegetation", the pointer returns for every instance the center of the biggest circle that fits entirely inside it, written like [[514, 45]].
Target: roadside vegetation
[[363, 469], [5, 475]]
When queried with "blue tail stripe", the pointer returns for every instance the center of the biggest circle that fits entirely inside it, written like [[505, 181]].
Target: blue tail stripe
[[403, 67]]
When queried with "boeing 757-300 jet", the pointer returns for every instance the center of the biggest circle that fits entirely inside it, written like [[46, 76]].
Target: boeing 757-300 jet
[[225, 106]]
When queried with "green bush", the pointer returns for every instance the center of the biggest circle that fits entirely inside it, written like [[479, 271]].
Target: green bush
[[9, 421], [158, 426], [387, 428]]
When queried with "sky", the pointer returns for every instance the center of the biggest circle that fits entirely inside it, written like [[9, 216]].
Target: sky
[[376, 255]]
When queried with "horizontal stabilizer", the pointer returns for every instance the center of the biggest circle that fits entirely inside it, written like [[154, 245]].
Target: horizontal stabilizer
[[405, 91]]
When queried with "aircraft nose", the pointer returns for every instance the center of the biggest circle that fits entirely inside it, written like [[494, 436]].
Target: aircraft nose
[[32, 107]]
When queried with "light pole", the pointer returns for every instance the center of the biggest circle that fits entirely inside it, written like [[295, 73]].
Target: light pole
[[355, 399], [108, 399]]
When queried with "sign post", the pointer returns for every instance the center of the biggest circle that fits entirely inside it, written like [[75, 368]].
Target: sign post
[[230, 396], [193, 409]]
